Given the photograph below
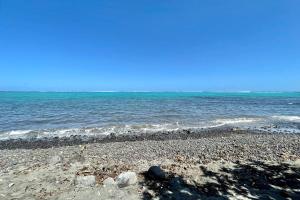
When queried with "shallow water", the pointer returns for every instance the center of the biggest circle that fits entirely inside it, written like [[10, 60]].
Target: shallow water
[[40, 114]]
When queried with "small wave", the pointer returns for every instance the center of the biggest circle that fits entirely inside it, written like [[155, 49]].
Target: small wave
[[287, 118]]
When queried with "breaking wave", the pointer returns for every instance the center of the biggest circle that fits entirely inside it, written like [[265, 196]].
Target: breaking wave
[[242, 122]]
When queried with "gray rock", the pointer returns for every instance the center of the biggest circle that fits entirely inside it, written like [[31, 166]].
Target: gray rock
[[109, 181], [85, 180], [155, 172], [126, 179]]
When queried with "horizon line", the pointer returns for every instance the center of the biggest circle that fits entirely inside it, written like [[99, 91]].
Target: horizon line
[[152, 91]]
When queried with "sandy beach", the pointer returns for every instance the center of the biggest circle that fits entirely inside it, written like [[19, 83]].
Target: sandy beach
[[226, 164]]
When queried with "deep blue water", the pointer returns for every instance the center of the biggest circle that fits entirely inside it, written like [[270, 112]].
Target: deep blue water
[[38, 114]]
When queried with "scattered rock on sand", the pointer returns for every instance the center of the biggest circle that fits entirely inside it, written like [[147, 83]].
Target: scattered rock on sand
[[126, 179], [155, 172], [109, 181], [85, 180]]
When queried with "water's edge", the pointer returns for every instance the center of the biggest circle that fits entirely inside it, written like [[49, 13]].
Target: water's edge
[[44, 143]]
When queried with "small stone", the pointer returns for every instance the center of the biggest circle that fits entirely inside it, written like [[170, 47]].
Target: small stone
[[126, 179], [55, 160], [156, 172], [11, 184], [85, 180], [109, 181]]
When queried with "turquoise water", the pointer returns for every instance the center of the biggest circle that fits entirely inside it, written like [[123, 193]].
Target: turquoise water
[[46, 114]]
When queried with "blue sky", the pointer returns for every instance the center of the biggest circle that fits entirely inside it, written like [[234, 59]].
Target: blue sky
[[150, 45]]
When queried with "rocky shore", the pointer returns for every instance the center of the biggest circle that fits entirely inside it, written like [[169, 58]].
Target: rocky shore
[[216, 164]]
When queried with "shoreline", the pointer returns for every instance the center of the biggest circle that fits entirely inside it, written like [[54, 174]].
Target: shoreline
[[182, 134], [49, 142]]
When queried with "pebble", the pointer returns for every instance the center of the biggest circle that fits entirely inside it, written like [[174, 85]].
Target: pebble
[[85, 180], [109, 181], [126, 178]]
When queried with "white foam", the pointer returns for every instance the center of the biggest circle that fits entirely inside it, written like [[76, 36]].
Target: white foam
[[290, 118], [14, 134], [18, 132], [95, 131], [236, 120]]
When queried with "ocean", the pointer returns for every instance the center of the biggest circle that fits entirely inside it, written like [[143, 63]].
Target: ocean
[[60, 114]]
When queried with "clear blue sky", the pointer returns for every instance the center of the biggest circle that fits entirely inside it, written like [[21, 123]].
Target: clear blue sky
[[153, 45]]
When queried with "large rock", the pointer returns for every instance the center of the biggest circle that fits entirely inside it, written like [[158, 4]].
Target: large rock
[[85, 180], [126, 179], [155, 172]]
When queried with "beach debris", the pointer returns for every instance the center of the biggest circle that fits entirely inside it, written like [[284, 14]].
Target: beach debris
[[85, 180], [126, 179], [155, 172], [109, 181]]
